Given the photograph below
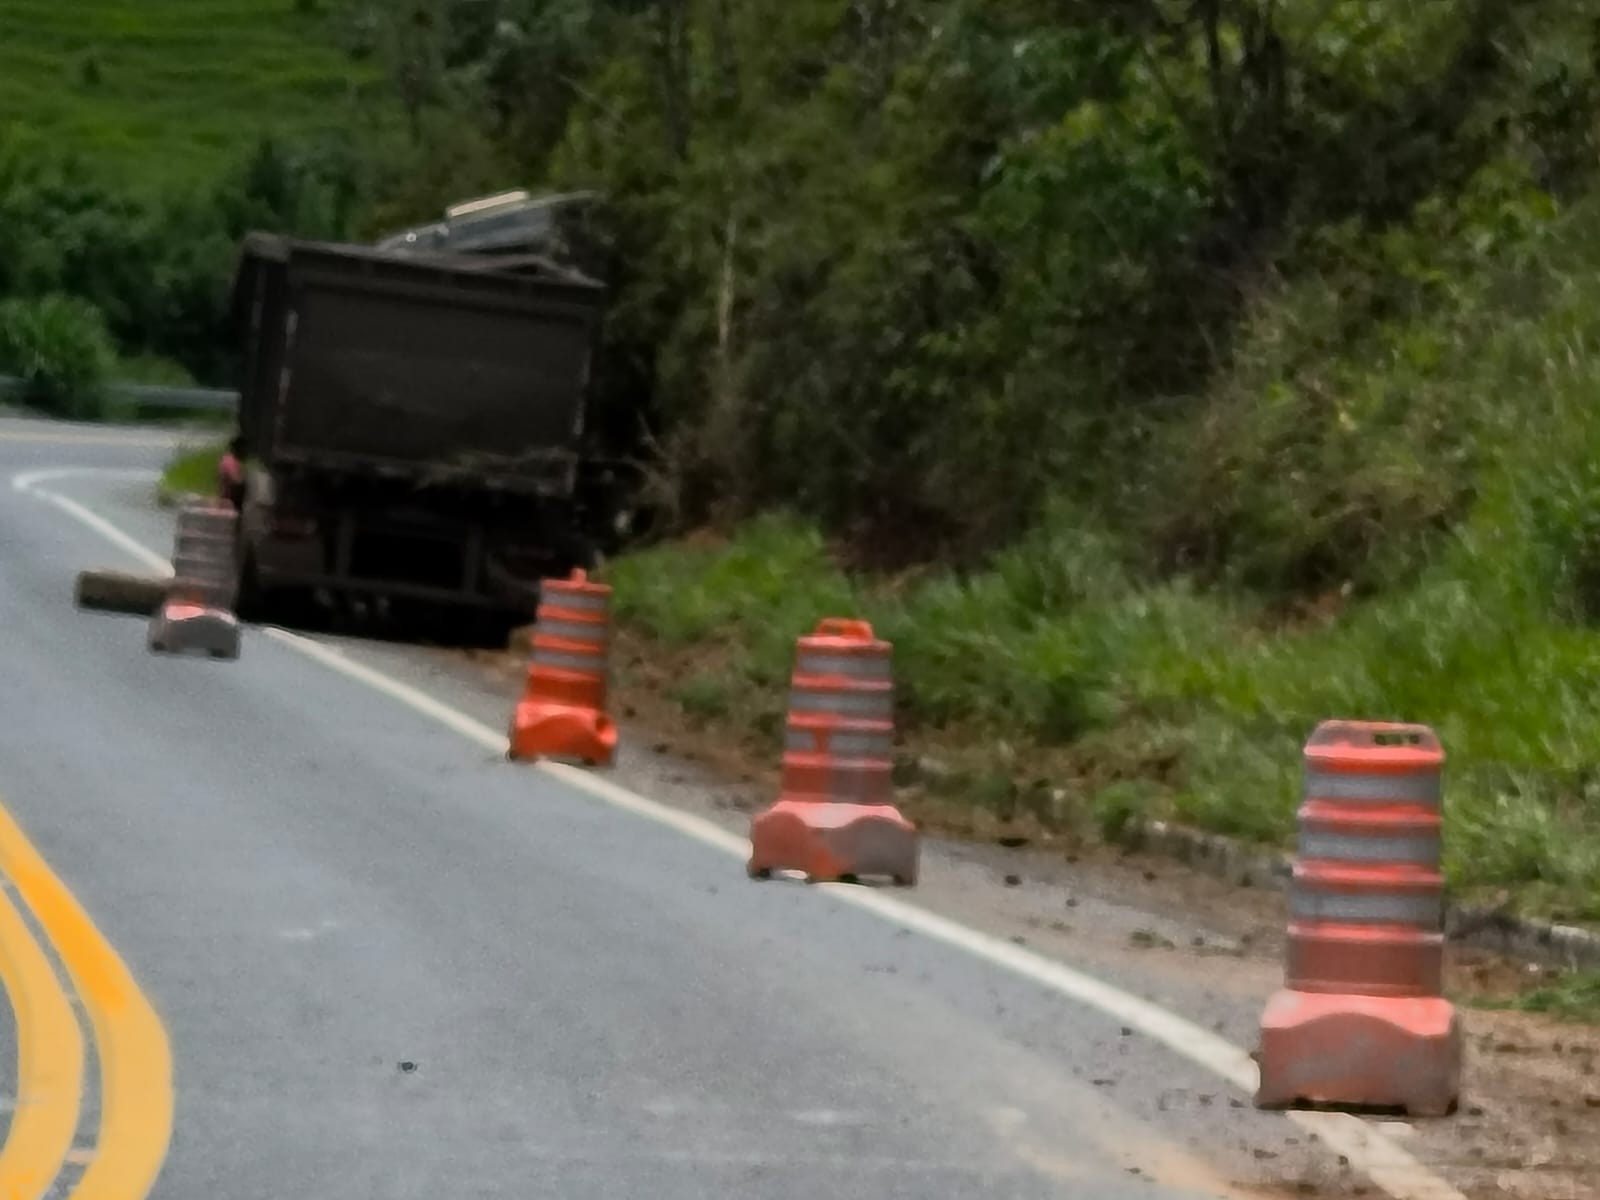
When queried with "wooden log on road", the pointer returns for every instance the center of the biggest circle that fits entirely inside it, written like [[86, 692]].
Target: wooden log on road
[[120, 591]]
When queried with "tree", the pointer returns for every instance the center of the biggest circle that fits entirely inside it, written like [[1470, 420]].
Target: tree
[[61, 349]]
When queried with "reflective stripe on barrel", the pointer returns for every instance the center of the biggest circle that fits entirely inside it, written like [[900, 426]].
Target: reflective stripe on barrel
[[875, 668], [555, 596], [1349, 847], [568, 660], [877, 704], [1365, 788], [1424, 910], [204, 562], [573, 631], [847, 743]]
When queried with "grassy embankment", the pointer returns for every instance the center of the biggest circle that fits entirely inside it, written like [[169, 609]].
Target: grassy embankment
[[1065, 687], [170, 92]]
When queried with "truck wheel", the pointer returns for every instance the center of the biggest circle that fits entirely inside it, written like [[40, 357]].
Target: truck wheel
[[250, 604], [293, 606]]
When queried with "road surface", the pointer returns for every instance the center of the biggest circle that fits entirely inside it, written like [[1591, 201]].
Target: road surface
[[383, 962]]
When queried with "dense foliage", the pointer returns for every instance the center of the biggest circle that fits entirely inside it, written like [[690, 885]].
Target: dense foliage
[[917, 268], [58, 346], [157, 267]]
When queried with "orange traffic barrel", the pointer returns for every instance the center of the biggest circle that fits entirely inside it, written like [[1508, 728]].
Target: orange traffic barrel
[[562, 713], [197, 612], [203, 555], [1361, 1020], [835, 818]]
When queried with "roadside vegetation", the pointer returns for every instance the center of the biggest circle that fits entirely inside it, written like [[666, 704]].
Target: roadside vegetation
[[1573, 996], [1162, 378], [192, 470], [139, 142], [60, 349]]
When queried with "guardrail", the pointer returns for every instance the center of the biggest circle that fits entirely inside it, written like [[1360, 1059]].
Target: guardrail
[[147, 396]]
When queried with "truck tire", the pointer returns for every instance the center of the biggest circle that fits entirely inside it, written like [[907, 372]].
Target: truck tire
[[250, 602], [258, 605]]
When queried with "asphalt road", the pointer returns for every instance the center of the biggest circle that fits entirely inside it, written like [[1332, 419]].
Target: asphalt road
[[389, 964]]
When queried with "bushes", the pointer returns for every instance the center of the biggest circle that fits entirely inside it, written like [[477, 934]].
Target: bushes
[[60, 348], [1189, 696], [157, 267], [913, 273]]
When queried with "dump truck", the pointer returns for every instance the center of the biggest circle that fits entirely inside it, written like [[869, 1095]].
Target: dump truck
[[413, 427]]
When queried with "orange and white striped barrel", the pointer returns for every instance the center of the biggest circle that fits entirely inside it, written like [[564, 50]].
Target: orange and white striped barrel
[[1361, 1019], [1366, 906], [572, 640], [839, 740], [562, 713], [203, 556], [835, 817]]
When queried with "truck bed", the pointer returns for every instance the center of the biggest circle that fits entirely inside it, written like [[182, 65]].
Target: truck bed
[[364, 362]]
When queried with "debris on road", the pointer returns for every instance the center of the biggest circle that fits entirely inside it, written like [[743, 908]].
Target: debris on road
[[120, 592]]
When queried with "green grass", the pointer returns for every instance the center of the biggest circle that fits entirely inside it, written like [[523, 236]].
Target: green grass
[[1161, 701], [1059, 667], [170, 90], [1572, 997], [192, 469]]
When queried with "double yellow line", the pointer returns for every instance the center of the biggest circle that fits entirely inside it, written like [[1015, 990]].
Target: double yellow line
[[135, 1061]]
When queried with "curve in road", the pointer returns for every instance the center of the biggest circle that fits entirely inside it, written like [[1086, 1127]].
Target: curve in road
[[1398, 1174]]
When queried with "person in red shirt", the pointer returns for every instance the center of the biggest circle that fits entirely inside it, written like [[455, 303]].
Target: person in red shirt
[[230, 473]]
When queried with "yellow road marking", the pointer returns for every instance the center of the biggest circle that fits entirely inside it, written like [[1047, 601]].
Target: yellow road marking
[[49, 1064], [135, 1060]]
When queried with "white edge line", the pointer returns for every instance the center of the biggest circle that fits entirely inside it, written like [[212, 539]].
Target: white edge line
[[1383, 1161], [28, 484]]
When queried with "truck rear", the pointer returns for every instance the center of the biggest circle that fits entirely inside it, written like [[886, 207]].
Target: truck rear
[[414, 426]]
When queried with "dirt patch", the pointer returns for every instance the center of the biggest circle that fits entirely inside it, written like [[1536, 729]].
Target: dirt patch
[[1530, 1125]]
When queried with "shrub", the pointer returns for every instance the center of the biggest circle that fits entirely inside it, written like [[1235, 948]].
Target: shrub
[[61, 349]]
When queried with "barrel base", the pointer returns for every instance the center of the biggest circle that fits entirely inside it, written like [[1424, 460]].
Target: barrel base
[[179, 628], [1360, 1052], [540, 729], [834, 841]]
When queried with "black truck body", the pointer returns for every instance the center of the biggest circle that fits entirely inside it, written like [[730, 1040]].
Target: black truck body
[[413, 425]]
